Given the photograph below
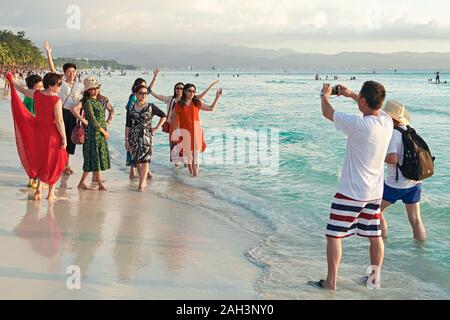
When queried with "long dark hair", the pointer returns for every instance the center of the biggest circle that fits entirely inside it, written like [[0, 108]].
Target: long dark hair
[[175, 89], [136, 84], [86, 96], [195, 100]]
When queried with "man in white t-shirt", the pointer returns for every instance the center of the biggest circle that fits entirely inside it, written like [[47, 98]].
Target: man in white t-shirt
[[356, 206], [396, 186], [71, 94]]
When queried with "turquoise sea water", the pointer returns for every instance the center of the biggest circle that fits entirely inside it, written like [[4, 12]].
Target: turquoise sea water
[[289, 209]]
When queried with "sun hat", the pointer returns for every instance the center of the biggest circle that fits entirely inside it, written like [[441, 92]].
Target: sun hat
[[90, 83], [397, 111]]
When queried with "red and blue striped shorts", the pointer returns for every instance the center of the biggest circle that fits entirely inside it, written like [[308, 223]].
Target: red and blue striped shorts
[[349, 217]]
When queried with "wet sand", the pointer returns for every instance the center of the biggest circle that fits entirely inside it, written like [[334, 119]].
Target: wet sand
[[128, 245]]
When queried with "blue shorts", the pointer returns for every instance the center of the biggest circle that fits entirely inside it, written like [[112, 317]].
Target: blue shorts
[[408, 196]]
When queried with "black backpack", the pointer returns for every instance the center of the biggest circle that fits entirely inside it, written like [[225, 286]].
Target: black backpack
[[418, 163]]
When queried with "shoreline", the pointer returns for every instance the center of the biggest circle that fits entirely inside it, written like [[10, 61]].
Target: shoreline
[[155, 248]]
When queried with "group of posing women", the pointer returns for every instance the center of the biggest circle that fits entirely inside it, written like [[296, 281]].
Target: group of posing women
[[56, 103]]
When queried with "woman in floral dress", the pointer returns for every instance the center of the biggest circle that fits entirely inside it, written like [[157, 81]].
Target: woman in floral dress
[[95, 149], [78, 114]]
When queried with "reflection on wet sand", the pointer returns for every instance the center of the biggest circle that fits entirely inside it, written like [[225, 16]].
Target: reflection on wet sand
[[40, 230], [128, 250], [176, 250], [86, 238]]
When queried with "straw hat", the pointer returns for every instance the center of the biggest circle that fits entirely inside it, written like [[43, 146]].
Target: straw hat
[[90, 83], [397, 111]]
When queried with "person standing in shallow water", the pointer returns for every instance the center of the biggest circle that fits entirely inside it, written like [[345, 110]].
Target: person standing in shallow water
[[356, 207], [132, 99], [396, 186], [95, 149], [190, 130], [171, 101], [139, 133]]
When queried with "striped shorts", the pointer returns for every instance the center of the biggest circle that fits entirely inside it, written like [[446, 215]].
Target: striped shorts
[[349, 217]]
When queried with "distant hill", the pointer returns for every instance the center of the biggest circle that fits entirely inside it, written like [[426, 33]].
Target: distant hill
[[83, 63], [205, 56]]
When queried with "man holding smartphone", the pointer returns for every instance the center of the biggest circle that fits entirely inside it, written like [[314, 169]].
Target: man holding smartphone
[[356, 206]]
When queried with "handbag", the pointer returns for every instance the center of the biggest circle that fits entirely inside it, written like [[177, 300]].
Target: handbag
[[79, 133], [166, 125]]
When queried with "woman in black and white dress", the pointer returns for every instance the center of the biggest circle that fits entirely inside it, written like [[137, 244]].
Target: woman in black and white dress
[[139, 132]]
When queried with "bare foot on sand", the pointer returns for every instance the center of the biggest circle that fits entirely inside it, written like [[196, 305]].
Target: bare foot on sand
[[52, 198], [102, 188], [37, 196], [142, 187], [83, 186], [68, 171]]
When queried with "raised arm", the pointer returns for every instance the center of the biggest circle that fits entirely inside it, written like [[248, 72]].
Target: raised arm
[[25, 91], [155, 76], [346, 92], [152, 84], [204, 93], [58, 113], [327, 109], [48, 49], [205, 107]]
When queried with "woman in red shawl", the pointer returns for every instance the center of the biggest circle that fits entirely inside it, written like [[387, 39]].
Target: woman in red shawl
[[41, 140]]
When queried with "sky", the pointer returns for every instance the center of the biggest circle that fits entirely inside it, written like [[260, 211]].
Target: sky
[[314, 26]]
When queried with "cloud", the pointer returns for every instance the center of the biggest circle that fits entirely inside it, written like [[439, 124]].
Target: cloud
[[239, 22]]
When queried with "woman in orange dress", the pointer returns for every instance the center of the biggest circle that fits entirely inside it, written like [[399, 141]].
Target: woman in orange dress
[[171, 102], [192, 141], [41, 140]]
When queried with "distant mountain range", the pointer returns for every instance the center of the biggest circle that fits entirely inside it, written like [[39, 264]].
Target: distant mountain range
[[201, 57]]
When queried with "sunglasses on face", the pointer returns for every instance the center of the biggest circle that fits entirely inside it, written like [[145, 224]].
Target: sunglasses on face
[[179, 88], [190, 91], [142, 93]]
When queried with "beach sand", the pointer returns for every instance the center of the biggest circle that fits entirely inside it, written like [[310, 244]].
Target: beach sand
[[128, 245]]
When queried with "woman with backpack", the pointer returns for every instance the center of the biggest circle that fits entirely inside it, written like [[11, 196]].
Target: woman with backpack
[[397, 186]]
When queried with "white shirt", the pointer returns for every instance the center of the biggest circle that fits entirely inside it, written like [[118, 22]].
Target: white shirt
[[75, 96], [396, 146], [368, 140], [169, 101]]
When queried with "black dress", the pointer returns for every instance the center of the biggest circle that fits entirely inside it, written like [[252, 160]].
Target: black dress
[[140, 136]]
